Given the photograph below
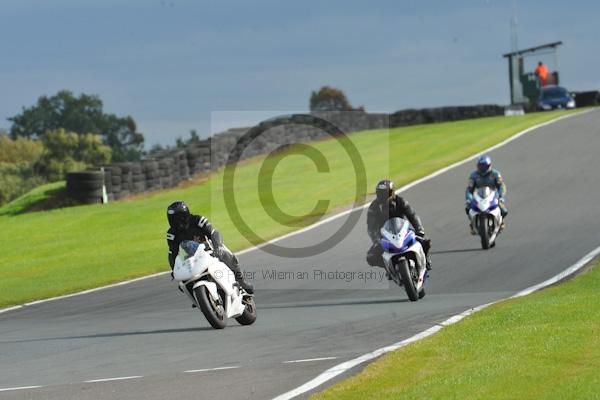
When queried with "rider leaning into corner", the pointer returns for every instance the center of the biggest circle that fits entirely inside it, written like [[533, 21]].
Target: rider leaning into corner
[[187, 226], [386, 205], [485, 175]]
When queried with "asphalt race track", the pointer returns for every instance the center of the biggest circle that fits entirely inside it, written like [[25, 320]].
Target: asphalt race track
[[147, 331]]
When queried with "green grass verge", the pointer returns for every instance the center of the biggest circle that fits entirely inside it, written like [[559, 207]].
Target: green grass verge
[[66, 250], [542, 346], [36, 196]]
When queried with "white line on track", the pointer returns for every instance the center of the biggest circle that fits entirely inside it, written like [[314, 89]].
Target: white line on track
[[346, 366], [19, 388], [32, 303], [326, 220], [212, 369], [309, 360], [120, 378]]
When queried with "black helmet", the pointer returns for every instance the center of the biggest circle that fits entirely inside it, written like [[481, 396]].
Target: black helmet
[[384, 190], [178, 215]]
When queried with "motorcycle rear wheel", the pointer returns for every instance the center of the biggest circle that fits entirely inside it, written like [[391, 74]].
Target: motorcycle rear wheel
[[407, 279], [214, 313]]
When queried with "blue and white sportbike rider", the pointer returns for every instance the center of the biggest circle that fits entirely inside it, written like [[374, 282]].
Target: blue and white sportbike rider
[[403, 257], [486, 206]]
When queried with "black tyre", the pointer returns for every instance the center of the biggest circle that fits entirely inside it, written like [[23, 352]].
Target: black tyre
[[407, 279], [484, 232], [249, 315], [113, 169], [84, 185], [136, 168], [138, 187], [90, 200], [85, 176], [79, 194], [214, 313], [137, 178], [123, 193]]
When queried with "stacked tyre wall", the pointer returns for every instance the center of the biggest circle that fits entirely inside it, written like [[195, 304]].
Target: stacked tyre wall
[[586, 99], [86, 187], [167, 169]]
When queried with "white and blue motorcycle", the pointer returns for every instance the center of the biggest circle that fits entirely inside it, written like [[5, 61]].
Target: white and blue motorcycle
[[403, 257], [211, 286], [485, 215]]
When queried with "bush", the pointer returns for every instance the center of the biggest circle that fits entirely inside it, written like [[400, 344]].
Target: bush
[[19, 150], [27, 163], [17, 179], [67, 151]]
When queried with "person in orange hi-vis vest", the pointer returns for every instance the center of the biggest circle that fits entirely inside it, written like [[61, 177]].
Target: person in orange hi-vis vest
[[542, 72]]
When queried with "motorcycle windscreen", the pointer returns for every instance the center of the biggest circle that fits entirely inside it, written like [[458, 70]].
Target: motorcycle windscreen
[[188, 248], [395, 225], [484, 192]]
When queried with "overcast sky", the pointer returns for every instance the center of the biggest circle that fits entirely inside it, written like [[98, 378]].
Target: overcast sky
[[170, 63]]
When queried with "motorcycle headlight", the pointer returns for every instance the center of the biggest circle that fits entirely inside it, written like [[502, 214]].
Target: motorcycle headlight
[[571, 104]]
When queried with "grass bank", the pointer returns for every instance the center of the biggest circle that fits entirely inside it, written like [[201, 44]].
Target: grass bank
[[66, 250], [542, 346], [33, 198]]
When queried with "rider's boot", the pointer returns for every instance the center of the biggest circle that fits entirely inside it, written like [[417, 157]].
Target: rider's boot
[[232, 262], [473, 231], [239, 278], [428, 262], [248, 287]]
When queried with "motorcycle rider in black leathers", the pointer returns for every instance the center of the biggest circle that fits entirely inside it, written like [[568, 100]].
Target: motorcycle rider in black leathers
[[386, 205], [187, 226]]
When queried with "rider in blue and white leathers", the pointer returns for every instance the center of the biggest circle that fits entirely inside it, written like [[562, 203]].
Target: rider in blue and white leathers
[[485, 175]]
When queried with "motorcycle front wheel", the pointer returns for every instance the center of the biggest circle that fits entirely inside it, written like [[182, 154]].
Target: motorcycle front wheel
[[407, 279], [484, 231], [214, 313]]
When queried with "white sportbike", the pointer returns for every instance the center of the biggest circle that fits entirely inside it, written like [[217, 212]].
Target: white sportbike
[[485, 215], [403, 257], [211, 286]]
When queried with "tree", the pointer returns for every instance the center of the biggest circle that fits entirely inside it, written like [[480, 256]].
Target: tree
[[329, 99], [67, 151], [81, 115]]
